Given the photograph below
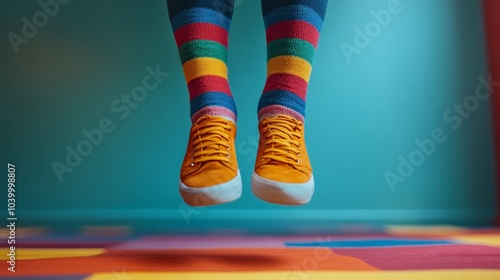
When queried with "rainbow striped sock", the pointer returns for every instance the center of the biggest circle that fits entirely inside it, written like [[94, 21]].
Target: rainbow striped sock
[[292, 32], [201, 31]]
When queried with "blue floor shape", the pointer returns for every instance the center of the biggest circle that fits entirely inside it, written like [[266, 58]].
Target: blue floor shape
[[370, 243]]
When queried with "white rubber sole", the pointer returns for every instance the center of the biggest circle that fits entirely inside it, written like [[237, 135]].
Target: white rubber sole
[[216, 194], [282, 193]]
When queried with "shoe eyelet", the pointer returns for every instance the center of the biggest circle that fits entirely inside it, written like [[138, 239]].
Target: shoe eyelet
[[228, 147], [298, 154], [192, 164], [298, 161]]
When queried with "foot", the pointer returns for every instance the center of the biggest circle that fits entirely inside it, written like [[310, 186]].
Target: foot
[[209, 173], [283, 173]]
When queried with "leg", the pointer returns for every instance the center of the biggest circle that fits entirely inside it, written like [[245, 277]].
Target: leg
[[283, 173], [201, 31], [209, 173]]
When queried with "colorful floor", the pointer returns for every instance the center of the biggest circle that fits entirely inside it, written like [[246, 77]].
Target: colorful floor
[[445, 253]]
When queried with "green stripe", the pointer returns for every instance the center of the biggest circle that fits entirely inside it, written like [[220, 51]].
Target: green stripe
[[291, 46], [202, 48]]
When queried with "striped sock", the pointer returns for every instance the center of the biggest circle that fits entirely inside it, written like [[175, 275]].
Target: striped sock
[[201, 31], [292, 32]]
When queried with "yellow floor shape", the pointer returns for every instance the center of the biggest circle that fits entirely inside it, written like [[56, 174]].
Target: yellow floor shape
[[438, 230], [482, 239], [470, 274], [42, 253]]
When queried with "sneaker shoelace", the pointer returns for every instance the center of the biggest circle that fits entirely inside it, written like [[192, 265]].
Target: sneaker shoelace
[[280, 136], [211, 141]]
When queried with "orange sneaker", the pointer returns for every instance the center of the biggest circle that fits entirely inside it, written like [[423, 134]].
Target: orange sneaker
[[283, 173], [209, 173]]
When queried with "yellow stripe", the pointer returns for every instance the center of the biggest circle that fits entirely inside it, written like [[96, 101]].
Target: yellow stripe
[[450, 274], [287, 64], [204, 66]]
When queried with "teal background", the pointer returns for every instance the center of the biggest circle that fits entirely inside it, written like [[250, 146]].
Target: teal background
[[360, 116]]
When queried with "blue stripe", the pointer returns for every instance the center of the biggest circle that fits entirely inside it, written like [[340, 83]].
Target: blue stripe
[[294, 12], [205, 15], [212, 99], [283, 98]]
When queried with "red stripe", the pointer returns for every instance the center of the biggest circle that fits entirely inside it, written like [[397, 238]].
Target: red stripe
[[291, 83], [293, 29], [201, 31], [491, 11], [208, 84]]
